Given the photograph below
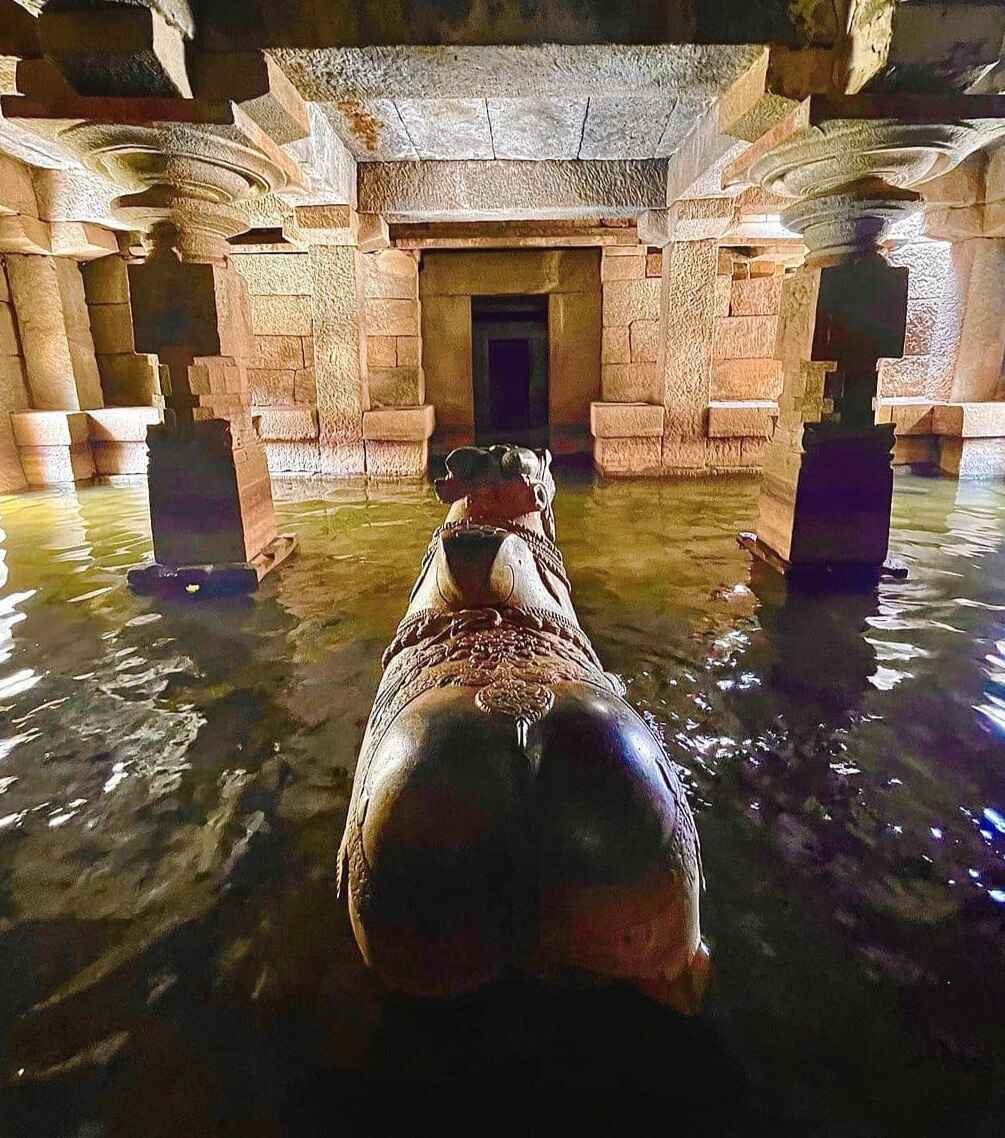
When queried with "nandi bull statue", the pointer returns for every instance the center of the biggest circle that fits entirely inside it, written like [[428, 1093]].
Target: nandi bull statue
[[510, 811]]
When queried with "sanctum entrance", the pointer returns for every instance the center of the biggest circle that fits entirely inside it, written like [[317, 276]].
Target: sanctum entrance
[[510, 369]]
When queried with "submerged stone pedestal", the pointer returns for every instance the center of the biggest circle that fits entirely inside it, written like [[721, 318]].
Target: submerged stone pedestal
[[834, 514], [211, 513]]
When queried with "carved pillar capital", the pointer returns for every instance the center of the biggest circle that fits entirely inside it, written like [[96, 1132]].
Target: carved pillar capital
[[852, 164]]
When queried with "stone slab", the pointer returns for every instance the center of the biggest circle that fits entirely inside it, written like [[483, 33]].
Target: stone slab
[[394, 460], [628, 301], [744, 337], [286, 424], [627, 457], [734, 418], [746, 379], [626, 420], [969, 420], [392, 317], [50, 428], [400, 424], [396, 386], [120, 458], [56, 465], [121, 424], [281, 315]]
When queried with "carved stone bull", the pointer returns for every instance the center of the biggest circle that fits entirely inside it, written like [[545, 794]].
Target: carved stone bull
[[510, 810]]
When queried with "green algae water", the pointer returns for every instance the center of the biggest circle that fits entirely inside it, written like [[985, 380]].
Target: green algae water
[[174, 779]]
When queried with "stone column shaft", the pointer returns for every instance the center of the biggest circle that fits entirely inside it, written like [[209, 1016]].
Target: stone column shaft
[[48, 295], [339, 357], [977, 312], [688, 323]]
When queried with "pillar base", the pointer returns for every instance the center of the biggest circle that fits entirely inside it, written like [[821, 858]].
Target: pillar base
[[836, 574], [223, 580]]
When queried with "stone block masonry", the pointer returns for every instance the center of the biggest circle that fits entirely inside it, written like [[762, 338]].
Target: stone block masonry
[[13, 389], [281, 380]]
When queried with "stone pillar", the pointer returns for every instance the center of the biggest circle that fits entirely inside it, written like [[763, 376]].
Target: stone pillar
[[687, 314], [339, 328], [13, 391], [48, 295], [828, 483], [210, 493], [339, 357]]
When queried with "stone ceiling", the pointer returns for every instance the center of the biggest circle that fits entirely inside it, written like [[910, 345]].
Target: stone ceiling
[[529, 103]]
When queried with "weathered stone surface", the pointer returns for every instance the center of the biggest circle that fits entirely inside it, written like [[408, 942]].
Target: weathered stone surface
[[574, 339], [617, 345], [281, 315], [286, 423], [532, 58], [623, 268], [278, 352], [391, 274], [654, 264], [537, 128], [400, 424], [396, 386], [9, 345], [395, 460], [275, 274], [744, 337], [106, 281], [305, 389], [969, 420], [120, 458], [121, 424], [973, 458], [112, 327], [627, 457], [271, 388], [756, 296], [129, 380], [909, 416], [258, 85], [472, 190], [408, 351], [749, 418], [447, 362], [683, 456], [81, 240], [626, 420], [723, 294], [50, 428], [131, 50], [628, 301], [371, 128], [913, 450], [300, 456], [904, 377], [687, 309], [645, 341], [17, 194], [340, 356], [35, 288], [746, 379], [391, 317], [629, 383], [617, 127], [56, 465], [921, 320], [504, 272], [381, 351], [443, 129]]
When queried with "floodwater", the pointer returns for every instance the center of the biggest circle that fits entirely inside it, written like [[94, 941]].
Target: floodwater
[[174, 777]]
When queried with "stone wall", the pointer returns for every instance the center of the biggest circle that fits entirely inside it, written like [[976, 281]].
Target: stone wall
[[13, 388], [631, 284], [281, 376], [128, 379], [571, 278]]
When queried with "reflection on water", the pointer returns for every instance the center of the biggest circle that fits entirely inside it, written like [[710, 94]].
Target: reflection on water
[[174, 776]]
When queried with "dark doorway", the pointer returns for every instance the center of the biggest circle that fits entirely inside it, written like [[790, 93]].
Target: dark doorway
[[510, 345]]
